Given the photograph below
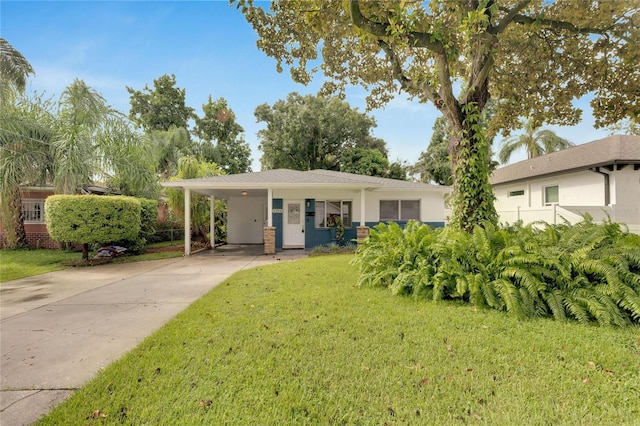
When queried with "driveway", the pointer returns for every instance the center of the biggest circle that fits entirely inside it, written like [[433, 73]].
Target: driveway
[[59, 329]]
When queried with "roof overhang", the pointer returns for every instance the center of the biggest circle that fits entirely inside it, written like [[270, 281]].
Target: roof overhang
[[226, 189]]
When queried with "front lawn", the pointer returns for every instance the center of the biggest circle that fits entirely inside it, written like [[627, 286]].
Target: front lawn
[[298, 343], [15, 264]]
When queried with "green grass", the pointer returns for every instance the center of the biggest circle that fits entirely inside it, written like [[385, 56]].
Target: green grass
[[15, 264], [298, 343]]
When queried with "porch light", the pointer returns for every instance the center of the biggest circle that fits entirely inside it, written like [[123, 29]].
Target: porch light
[[244, 193]]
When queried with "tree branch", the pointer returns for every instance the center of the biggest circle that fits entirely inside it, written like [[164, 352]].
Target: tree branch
[[563, 25], [405, 82], [511, 14], [415, 38]]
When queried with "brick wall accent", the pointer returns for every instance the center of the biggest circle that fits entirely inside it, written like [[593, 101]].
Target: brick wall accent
[[362, 233], [269, 240]]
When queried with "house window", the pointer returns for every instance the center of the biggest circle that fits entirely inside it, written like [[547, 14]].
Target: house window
[[517, 193], [399, 210], [328, 211], [551, 195], [33, 211]]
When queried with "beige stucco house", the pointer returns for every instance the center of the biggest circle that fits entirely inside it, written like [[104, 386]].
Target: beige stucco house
[[599, 178]]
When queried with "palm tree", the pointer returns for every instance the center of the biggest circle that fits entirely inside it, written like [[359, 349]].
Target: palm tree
[[95, 142], [26, 128], [536, 142], [81, 115], [21, 127], [14, 71], [168, 147]]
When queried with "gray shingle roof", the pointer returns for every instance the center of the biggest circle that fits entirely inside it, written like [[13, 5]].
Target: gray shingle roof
[[286, 177], [617, 149]]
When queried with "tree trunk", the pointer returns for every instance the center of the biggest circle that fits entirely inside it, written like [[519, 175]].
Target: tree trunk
[[15, 234], [473, 198], [85, 251]]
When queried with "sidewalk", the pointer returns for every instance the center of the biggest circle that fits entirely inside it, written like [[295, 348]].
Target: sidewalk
[[59, 329]]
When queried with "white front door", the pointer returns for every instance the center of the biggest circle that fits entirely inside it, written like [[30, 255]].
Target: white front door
[[293, 229]]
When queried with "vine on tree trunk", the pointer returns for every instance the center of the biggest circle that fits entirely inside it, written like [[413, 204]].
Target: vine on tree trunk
[[473, 198]]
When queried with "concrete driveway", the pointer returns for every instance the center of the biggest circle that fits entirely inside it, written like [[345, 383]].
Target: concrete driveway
[[58, 330]]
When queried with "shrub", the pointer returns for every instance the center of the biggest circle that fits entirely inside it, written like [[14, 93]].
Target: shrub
[[587, 272], [91, 219], [148, 221]]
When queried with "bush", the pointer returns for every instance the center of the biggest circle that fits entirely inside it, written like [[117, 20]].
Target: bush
[[148, 221], [90, 219], [587, 272]]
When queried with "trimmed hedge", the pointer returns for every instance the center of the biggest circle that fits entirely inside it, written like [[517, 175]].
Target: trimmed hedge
[[91, 219], [148, 222]]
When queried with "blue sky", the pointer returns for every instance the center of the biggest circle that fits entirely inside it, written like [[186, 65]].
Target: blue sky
[[211, 50]]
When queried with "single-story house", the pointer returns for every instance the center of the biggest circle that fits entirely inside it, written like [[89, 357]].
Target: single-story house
[[285, 209], [601, 178]]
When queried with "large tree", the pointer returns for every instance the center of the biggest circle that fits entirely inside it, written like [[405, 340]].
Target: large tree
[[221, 138], [312, 132], [362, 161], [536, 56], [160, 108], [626, 127], [535, 141]]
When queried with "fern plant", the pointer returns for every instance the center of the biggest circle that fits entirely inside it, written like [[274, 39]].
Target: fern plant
[[587, 272]]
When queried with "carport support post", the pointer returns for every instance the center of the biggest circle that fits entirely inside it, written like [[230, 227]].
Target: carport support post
[[362, 231], [187, 221], [363, 205], [212, 222], [269, 234]]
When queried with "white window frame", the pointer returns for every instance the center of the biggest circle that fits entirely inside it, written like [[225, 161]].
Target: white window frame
[[400, 216], [516, 193], [33, 210], [544, 195], [343, 211]]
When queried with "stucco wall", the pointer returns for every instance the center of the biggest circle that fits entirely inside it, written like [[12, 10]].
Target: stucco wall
[[625, 195], [579, 192], [432, 207], [245, 221], [575, 189]]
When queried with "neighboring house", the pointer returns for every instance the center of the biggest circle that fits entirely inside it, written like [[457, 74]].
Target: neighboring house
[[33, 198], [33, 208], [599, 178], [291, 209]]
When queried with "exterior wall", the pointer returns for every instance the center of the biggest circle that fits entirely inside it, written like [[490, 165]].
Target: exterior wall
[[579, 192], [625, 197], [432, 208], [37, 235], [246, 224]]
